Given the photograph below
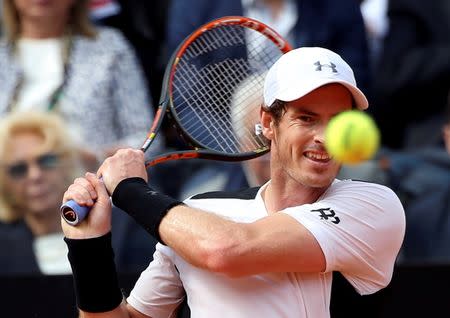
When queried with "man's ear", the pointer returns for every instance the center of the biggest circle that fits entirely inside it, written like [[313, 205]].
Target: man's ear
[[267, 124]]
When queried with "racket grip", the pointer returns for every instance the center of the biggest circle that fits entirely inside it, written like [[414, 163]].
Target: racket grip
[[73, 213]]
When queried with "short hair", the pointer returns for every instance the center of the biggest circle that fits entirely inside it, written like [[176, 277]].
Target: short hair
[[277, 109], [56, 138], [79, 22]]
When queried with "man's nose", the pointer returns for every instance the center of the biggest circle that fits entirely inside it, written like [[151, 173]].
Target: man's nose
[[319, 134]]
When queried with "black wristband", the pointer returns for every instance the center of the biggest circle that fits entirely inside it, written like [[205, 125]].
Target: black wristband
[[147, 207], [94, 273]]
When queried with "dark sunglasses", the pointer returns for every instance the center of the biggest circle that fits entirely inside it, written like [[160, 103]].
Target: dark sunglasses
[[45, 162]]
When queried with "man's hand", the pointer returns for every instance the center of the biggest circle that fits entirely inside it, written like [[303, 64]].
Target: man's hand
[[89, 191], [126, 163]]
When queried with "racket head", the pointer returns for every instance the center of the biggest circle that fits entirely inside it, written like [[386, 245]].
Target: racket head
[[214, 87]]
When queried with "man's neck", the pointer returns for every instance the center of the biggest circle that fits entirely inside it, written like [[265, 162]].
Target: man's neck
[[281, 195]]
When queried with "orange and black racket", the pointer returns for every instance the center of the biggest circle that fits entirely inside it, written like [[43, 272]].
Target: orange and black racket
[[212, 79]]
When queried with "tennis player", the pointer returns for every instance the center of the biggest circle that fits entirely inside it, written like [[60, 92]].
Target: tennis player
[[263, 252]]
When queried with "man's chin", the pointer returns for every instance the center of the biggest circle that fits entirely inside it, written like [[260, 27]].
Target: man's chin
[[319, 181]]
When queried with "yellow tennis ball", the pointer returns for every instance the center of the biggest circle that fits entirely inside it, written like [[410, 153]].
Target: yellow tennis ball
[[352, 137]]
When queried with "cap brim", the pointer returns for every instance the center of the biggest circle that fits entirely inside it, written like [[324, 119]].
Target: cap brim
[[294, 93]]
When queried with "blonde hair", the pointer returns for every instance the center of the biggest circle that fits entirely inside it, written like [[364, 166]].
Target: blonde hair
[[51, 128], [79, 22]]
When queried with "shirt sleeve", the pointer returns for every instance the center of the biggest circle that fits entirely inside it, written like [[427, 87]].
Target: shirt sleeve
[[360, 228], [158, 292]]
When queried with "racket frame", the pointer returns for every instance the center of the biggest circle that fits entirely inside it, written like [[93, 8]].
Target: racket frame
[[165, 108], [166, 101]]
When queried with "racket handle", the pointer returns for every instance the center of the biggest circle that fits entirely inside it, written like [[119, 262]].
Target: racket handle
[[73, 213]]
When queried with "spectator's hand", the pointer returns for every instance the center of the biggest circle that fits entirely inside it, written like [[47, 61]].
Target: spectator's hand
[[89, 191], [125, 163]]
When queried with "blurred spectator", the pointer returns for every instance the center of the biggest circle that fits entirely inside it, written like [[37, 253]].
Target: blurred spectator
[[89, 76], [143, 23], [37, 163], [446, 130], [374, 13], [413, 74], [336, 25], [1, 14], [101, 9], [421, 179]]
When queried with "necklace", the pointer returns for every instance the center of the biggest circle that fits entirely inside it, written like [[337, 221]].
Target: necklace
[[56, 95]]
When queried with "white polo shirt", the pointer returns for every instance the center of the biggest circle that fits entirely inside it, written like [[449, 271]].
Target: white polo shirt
[[360, 227]]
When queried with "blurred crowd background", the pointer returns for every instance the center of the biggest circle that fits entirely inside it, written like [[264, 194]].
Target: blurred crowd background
[[80, 79]]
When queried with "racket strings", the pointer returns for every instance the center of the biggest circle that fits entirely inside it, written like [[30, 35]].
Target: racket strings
[[218, 124], [215, 118], [218, 82], [211, 117], [211, 41]]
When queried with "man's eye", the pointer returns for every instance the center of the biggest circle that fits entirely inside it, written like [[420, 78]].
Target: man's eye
[[306, 119]]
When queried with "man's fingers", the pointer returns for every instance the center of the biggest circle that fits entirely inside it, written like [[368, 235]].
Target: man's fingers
[[87, 184], [125, 163], [78, 193], [97, 184]]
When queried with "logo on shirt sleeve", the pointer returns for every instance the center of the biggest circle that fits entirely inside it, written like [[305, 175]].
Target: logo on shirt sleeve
[[327, 214]]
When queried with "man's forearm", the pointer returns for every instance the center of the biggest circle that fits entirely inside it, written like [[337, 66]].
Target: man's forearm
[[201, 238], [146, 206]]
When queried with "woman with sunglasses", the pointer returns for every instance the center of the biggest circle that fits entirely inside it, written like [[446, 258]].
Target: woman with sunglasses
[[53, 59], [38, 160]]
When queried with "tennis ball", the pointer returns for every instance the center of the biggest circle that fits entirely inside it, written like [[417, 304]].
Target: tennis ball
[[352, 137]]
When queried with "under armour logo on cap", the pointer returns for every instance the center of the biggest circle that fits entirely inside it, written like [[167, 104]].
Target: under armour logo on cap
[[331, 65], [304, 69]]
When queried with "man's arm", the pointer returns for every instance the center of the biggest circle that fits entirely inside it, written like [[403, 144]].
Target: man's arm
[[276, 243], [91, 255]]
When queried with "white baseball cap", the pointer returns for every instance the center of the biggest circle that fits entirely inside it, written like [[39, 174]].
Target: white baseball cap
[[300, 71]]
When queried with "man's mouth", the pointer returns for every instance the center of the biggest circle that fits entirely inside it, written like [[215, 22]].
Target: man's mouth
[[319, 156]]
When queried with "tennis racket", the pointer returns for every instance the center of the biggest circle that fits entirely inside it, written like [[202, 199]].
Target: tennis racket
[[212, 82]]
